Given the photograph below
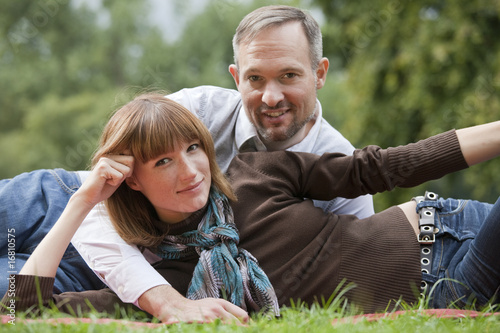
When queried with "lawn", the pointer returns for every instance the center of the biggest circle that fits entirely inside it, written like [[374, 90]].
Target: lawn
[[298, 319]]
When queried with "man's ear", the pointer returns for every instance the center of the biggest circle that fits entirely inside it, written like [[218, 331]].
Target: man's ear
[[321, 72], [234, 72], [132, 183]]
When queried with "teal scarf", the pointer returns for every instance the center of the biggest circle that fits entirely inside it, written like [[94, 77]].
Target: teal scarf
[[223, 270]]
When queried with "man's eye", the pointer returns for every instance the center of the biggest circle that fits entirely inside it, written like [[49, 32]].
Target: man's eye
[[253, 78], [289, 75]]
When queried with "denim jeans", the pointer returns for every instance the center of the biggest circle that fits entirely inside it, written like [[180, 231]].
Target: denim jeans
[[30, 204], [466, 258]]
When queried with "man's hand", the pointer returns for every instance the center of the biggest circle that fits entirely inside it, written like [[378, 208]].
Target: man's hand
[[169, 306]]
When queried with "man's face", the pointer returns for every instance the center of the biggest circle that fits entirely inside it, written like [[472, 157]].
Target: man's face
[[277, 84]]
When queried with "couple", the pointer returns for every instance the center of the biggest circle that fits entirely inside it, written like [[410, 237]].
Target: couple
[[254, 239], [261, 79]]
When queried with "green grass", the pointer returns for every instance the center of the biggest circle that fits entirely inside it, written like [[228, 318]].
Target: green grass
[[298, 319]]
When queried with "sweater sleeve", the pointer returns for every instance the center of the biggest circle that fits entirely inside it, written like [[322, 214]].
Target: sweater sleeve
[[367, 171], [29, 292], [26, 291], [372, 169]]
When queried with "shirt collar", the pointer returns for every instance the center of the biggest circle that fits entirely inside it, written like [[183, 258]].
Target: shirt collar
[[245, 131], [307, 144]]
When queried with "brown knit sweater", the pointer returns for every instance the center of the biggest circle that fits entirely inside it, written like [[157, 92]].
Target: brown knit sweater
[[28, 292], [308, 253]]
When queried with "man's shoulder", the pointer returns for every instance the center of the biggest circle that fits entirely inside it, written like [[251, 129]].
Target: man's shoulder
[[207, 92], [330, 139], [206, 101]]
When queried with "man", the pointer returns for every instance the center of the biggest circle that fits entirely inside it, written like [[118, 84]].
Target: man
[[278, 69]]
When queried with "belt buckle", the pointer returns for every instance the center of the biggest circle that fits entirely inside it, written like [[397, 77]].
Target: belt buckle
[[426, 239]]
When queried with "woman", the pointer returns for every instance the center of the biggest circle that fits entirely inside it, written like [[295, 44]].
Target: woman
[[156, 163]]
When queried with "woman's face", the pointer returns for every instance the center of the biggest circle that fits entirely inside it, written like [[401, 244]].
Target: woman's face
[[177, 183]]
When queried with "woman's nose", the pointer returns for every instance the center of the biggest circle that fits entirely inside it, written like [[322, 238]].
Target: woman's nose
[[187, 168]]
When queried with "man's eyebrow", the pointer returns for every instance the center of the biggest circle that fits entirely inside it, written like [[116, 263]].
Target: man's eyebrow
[[255, 70], [291, 69], [251, 70]]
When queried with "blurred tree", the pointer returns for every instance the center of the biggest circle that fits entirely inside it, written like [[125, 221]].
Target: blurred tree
[[411, 69], [204, 52], [57, 132], [61, 68], [400, 71]]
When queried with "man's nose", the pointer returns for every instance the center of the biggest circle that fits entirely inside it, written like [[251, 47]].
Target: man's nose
[[272, 94]]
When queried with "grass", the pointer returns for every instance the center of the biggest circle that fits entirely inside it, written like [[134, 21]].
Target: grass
[[299, 318]]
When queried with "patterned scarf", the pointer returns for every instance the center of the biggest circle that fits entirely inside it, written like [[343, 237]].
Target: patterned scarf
[[223, 270]]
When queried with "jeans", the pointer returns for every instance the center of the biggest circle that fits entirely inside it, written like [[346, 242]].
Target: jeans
[[30, 204], [466, 255]]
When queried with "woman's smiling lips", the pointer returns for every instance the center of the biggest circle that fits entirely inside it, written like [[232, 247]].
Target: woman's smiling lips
[[191, 187]]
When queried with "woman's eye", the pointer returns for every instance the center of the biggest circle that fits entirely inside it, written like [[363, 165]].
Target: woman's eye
[[161, 162], [194, 146]]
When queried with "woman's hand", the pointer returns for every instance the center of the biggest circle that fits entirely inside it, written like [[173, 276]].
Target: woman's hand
[[105, 178], [103, 181], [169, 306]]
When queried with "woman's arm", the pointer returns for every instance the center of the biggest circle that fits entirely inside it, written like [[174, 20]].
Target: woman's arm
[[107, 175], [168, 305], [371, 169], [480, 143], [164, 301]]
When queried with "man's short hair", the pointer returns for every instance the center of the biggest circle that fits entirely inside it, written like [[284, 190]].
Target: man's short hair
[[276, 15]]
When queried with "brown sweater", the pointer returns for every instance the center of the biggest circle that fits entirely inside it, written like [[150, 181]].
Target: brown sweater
[[308, 253], [23, 295]]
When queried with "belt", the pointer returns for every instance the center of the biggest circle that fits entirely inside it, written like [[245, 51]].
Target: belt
[[426, 237]]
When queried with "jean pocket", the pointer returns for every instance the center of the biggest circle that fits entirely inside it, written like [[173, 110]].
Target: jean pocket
[[462, 219]]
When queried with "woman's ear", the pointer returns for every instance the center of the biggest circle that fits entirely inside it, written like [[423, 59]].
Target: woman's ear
[[132, 183]]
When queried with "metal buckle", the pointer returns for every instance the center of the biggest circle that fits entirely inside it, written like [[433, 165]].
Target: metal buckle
[[426, 237]]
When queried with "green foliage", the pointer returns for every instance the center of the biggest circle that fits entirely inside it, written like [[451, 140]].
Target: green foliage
[[58, 132], [61, 70], [412, 69]]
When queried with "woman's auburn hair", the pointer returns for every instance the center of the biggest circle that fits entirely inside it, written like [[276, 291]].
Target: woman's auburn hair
[[146, 127]]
